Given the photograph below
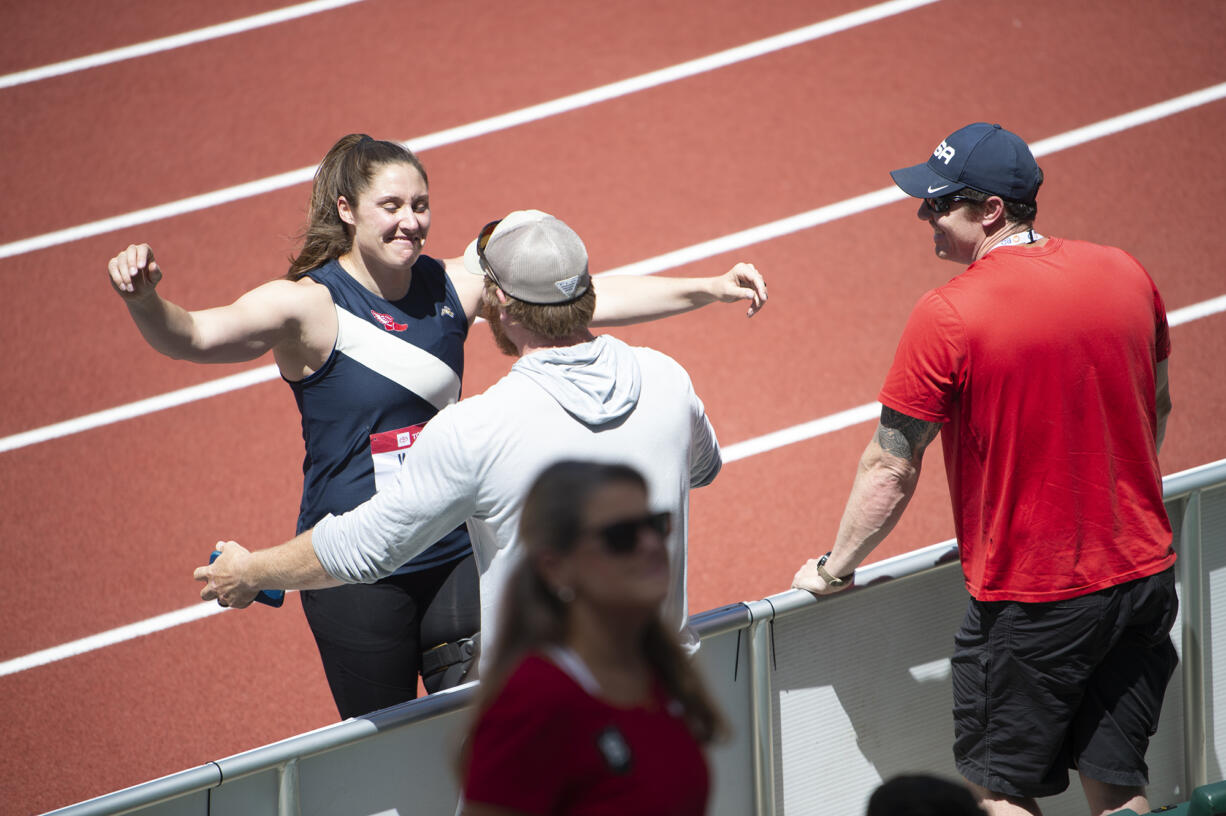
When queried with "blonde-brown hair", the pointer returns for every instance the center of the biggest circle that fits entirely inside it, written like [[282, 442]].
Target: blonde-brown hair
[[346, 171], [552, 320]]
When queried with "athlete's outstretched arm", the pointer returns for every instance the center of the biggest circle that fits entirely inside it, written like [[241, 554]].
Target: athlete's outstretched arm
[[272, 316], [625, 299]]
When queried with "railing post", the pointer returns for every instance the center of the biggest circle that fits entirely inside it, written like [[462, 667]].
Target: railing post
[[287, 789], [1193, 674], [762, 614]]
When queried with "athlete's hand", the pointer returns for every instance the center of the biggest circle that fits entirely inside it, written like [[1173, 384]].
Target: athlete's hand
[[134, 272], [742, 282]]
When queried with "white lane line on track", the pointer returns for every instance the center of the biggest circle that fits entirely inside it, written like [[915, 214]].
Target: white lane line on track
[[1196, 311], [802, 432], [110, 638], [255, 376], [731, 453], [264, 373], [174, 41], [161, 402], [872, 410], [533, 113]]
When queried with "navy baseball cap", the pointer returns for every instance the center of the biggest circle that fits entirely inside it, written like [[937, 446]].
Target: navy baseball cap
[[986, 157]]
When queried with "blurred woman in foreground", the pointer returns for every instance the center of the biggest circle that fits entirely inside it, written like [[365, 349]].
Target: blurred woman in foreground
[[589, 705]]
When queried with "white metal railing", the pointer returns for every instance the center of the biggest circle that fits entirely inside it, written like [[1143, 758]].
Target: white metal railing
[[825, 697]]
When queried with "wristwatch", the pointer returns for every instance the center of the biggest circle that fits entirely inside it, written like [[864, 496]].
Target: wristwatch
[[831, 580]]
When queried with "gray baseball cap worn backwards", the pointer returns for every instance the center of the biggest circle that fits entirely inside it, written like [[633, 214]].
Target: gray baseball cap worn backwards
[[533, 257], [984, 157]]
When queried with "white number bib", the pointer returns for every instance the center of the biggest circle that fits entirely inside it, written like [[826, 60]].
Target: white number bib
[[387, 449]]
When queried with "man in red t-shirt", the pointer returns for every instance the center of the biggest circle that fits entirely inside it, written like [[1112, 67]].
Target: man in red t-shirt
[[1043, 366]]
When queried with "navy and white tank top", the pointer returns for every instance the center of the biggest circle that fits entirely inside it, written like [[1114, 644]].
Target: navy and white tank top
[[395, 365]]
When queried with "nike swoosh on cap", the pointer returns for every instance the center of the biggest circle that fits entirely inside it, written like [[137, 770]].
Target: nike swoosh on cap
[[937, 189]]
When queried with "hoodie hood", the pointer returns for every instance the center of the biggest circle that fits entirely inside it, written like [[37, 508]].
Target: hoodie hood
[[596, 382]]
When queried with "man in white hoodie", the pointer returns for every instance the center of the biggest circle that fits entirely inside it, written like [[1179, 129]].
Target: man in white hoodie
[[569, 395]]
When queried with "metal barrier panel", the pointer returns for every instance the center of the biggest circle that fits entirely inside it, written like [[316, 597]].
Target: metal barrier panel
[[398, 761], [400, 770], [1196, 503], [724, 662], [406, 767], [862, 692], [1212, 535]]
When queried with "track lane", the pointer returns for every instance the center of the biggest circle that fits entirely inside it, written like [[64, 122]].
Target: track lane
[[171, 134], [115, 520], [157, 705], [214, 157], [82, 392], [57, 30]]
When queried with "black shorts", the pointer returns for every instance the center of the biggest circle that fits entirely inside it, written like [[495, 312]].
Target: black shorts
[[1043, 687], [371, 636]]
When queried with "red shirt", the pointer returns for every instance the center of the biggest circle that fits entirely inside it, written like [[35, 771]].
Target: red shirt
[[1040, 361], [546, 746]]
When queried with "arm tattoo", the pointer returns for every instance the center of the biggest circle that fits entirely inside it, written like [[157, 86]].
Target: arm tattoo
[[904, 436]]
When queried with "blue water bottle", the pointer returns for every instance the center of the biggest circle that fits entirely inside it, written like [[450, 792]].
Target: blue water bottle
[[272, 597]]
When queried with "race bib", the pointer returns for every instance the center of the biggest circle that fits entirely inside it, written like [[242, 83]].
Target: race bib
[[388, 449]]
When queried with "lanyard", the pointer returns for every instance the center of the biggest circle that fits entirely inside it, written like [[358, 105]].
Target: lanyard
[[1027, 237]]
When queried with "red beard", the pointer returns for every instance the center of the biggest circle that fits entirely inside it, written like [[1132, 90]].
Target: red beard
[[494, 317]]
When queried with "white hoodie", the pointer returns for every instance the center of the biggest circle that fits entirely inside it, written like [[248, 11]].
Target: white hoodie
[[602, 400]]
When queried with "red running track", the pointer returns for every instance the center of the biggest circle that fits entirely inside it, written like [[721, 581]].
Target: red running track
[[102, 528]]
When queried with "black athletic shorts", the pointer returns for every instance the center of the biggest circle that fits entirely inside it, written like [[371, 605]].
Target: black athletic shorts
[[1043, 687], [371, 636]]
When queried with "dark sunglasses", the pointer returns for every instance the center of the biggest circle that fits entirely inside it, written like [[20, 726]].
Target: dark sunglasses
[[622, 537], [946, 202], [483, 239]]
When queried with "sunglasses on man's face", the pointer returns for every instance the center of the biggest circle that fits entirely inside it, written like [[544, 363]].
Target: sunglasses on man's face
[[483, 239], [945, 203], [622, 537]]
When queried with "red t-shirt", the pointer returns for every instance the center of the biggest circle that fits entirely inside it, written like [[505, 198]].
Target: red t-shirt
[[546, 746], [1040, 360]]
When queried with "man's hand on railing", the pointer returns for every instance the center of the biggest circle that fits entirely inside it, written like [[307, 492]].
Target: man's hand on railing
[[815, 578]]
